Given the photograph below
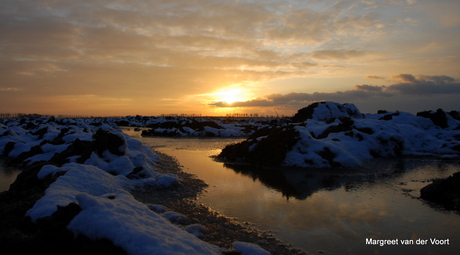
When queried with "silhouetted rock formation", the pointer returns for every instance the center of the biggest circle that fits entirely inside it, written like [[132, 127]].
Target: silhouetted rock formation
[[445, 192], [329, 134]]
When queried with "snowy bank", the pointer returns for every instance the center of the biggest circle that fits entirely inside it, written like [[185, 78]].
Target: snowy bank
[[329, 134], [73, 163], [205, 127]]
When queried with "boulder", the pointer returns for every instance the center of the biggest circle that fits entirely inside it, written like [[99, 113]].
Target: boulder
[[266, 147], [327, 112], [438, 118], [445, 192]]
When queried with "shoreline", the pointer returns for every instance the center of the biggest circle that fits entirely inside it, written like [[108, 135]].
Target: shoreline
[[218, 229]]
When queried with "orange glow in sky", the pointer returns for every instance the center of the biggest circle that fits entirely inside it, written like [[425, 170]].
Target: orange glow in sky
[[230, 95], [157, 57]]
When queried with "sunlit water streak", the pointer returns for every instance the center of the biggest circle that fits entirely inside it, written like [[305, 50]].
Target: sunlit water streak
[[332, 212]]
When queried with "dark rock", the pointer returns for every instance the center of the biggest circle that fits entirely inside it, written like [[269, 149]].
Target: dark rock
[[328, 155], [445, 192], [165, 133], [27, 182], [456, 148], [235, 152], [124, 123], [136, 173], [389, 147], [41, 132], [8, 148], [328, 113], [77, 148], [51, 236], [305, 113], [269, 151], [346, 124], [389, 116], [366, 130], [21, 159], [30, 125], [104, 140], [176, 127], [200, 125], [438, 118], [209, 134], [455, 115]]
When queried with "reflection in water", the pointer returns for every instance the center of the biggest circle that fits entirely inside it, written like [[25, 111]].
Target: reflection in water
[[299, 183], [302, 183], [329, 210]]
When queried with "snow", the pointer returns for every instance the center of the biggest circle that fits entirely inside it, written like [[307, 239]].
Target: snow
[[195, 229], [328, 111], [335, 134], [174, 217], [134, 227], [339, 135], [249, 249], [77, 179], [100, 186], [18, 149]]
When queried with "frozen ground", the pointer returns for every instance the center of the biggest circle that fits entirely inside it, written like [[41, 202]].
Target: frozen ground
[[74, 162], [90, 168]]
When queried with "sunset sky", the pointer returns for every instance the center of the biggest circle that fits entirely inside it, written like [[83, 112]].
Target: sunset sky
[[211, 57]]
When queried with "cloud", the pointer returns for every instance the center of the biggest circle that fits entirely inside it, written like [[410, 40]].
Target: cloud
[[370, 88], [152, 50], [410, 85], [374, 77], [9, 89], [169, 32], [425, 84], [337, 54]]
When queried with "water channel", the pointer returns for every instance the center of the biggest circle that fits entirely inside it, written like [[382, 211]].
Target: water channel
[[324, 211], [320, 211]]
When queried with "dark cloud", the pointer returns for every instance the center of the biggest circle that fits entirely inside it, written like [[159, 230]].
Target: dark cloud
[[405, 78], [370, 88], [177, 49], [411, 85], [424, 84]]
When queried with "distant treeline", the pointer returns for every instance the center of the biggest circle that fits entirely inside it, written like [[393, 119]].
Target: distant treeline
[[35, 115], [231, 115]]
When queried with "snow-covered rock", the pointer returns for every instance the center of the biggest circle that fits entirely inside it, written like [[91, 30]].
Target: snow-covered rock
[[327, 111], [134, 227], [249, 249], [329, 134], [92, 167]]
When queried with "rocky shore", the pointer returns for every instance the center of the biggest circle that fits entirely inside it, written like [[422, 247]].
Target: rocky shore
[[215, 228], [444, 192], [81, 184], [86, 187], [329, 134]]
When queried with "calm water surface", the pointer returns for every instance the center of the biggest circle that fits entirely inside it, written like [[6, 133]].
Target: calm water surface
[[330, 211]]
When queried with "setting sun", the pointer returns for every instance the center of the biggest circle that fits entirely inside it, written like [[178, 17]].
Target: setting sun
[[230, 95]]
